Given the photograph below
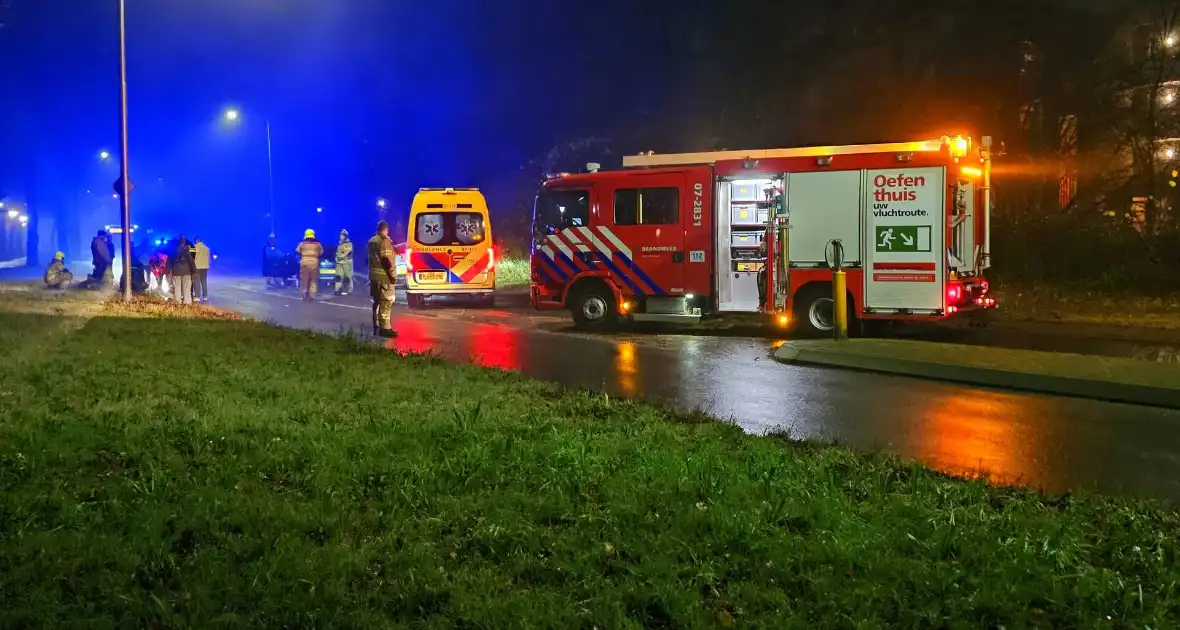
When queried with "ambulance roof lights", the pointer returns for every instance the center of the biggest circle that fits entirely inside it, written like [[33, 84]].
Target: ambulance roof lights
[[556, 175]]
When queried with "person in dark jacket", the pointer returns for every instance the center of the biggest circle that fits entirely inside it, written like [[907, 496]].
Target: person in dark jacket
[[101, 257], [272, 261], [183, 268]]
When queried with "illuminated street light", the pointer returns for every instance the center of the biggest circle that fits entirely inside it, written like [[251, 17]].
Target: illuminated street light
[[12, 214], [1170, 40], [232, 115], [104, 155], [319, 209], [380, 202], [24, 218]]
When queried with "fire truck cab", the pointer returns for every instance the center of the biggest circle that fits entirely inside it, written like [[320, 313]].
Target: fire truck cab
[[681, 237]]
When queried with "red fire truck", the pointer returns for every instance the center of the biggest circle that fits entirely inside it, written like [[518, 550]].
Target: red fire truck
[[681, 237]]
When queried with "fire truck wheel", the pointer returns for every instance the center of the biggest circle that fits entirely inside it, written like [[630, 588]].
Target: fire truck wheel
[[593, 308], [813, 311], [415, 301]]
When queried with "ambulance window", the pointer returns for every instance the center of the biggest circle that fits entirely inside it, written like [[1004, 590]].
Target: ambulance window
[[428, 229], [647, 206], [469, 228]]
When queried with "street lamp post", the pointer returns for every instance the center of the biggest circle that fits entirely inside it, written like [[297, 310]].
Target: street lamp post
[[232, 115], [124, 179]]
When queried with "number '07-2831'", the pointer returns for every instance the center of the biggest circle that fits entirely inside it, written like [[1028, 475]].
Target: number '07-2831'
[[698, 193]]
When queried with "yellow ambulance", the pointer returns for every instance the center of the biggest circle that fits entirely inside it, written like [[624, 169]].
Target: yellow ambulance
[[449, 247]]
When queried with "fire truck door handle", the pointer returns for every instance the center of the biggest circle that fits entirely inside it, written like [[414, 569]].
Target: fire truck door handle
[[677, 257]]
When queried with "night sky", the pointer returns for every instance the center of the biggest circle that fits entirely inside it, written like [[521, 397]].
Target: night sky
[[371, 98]]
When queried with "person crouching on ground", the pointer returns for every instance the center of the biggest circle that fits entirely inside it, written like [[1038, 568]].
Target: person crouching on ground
[[56, 274], [309, 252], [183, 268]]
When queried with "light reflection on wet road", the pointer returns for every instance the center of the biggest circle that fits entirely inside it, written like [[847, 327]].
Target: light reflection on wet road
[[1042, 441]]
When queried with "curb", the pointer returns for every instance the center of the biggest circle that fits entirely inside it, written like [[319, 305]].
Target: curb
[[986, 377]]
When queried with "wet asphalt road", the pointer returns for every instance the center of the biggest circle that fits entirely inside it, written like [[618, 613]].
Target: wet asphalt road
[[1046, 442]]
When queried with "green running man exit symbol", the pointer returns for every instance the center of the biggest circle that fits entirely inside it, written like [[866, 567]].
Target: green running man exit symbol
[[903, 238]]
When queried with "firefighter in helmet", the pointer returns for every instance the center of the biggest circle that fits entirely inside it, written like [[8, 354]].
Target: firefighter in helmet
[[309, 251]]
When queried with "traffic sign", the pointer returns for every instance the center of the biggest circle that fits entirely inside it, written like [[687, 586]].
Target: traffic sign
[[119, 186]]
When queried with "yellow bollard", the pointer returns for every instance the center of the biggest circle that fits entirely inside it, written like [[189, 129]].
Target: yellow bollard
[[839, 304]]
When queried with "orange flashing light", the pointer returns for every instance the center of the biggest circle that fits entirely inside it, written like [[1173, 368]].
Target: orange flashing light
[[971, 171], [958, 146]]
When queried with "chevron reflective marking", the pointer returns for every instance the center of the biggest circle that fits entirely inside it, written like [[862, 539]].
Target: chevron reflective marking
[[539, 267], [606, 259], [588, 234], [614, 240], [638, 271], [552, 264], [562, 254], [572, 237], [561, 247]]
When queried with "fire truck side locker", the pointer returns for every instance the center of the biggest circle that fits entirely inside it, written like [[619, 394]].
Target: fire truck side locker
[[741, 214], [823, 206]]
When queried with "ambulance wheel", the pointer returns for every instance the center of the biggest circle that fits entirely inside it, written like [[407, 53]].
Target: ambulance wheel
[[593, 308], [413, 300]]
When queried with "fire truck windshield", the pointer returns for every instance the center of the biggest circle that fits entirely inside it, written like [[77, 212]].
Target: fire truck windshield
[[557, 210]]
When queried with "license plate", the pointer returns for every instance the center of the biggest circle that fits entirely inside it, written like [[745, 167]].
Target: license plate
[[432, 276]]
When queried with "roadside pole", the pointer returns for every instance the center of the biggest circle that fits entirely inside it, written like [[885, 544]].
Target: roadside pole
[[839, 292], [124, 182]]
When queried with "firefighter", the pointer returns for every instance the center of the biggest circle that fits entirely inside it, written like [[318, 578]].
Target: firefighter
[[56, 274], [344, 264], [309, 251], [382, 278]]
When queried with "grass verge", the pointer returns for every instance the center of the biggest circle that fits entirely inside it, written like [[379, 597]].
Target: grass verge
[[1072, 305], [194, 472], [512, 272], [1075, 366]]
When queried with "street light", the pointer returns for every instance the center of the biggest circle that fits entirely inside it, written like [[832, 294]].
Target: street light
[[104, 155], [24, 218], [381, 203], [232, 115], [319, 209], [124, 181], [11, 213]]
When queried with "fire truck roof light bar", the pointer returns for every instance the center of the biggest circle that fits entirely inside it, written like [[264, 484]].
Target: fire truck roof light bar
[[956, 144]]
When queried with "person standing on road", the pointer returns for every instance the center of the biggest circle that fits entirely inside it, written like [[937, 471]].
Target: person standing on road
[[382, 278], [201, 279], [56, 274], [344, 264], [309, 252], [100, 257], [108, 276], [183, 268], [271, 259]]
